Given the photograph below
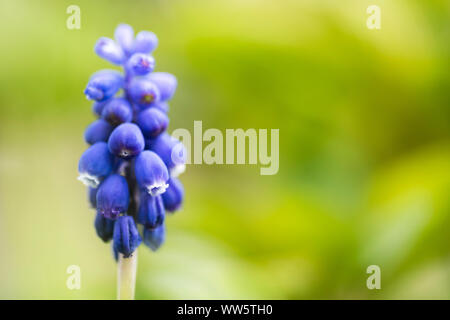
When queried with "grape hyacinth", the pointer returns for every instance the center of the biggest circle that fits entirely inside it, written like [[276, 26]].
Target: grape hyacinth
[[131, 165]]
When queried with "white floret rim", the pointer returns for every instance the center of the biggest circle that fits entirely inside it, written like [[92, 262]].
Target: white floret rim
[[157, 188], [89, 180]]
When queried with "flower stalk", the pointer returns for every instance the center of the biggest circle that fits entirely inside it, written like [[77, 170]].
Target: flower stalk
[[126, 277], [128, 164]]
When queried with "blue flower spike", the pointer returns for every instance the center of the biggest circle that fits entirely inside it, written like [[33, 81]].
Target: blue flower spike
[[151, 173], [152, 122], [151, 212], [143, 92], [166, 84], [115, 253], [145, 42], [97, 107], [98, 131], [109, 50], [104, 227], [95, 164], [117, 111], [140, 64], [171, 151], [131, 164], [154, 238], [103, 85], [173, 197], [126, 236], [126, 141], [124, 35], [92, 197], [113, 196], [162, 105]]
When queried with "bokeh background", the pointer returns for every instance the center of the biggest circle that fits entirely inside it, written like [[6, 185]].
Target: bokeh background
[[364, 149]]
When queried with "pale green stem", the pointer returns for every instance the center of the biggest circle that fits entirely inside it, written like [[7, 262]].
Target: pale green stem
[[126, 277]]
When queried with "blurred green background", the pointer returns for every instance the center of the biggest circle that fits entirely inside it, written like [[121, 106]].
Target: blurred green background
[[364, 149]]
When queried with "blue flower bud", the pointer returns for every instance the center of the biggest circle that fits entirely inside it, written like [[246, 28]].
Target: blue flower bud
[[154, 238], [126, 236], [117, 111], [143, 92], [98, 130], [166, 83], [151, 173], [107, 49], [140, 64], [104, 227], [126, 140], [115, 253], [92, 196], [97, 107], [145, 42], [103, 85], [113, 196], [95, 164], [173, 197], [161, 105], [124, 35], [151, 210], [152, 122], [171, 151]]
